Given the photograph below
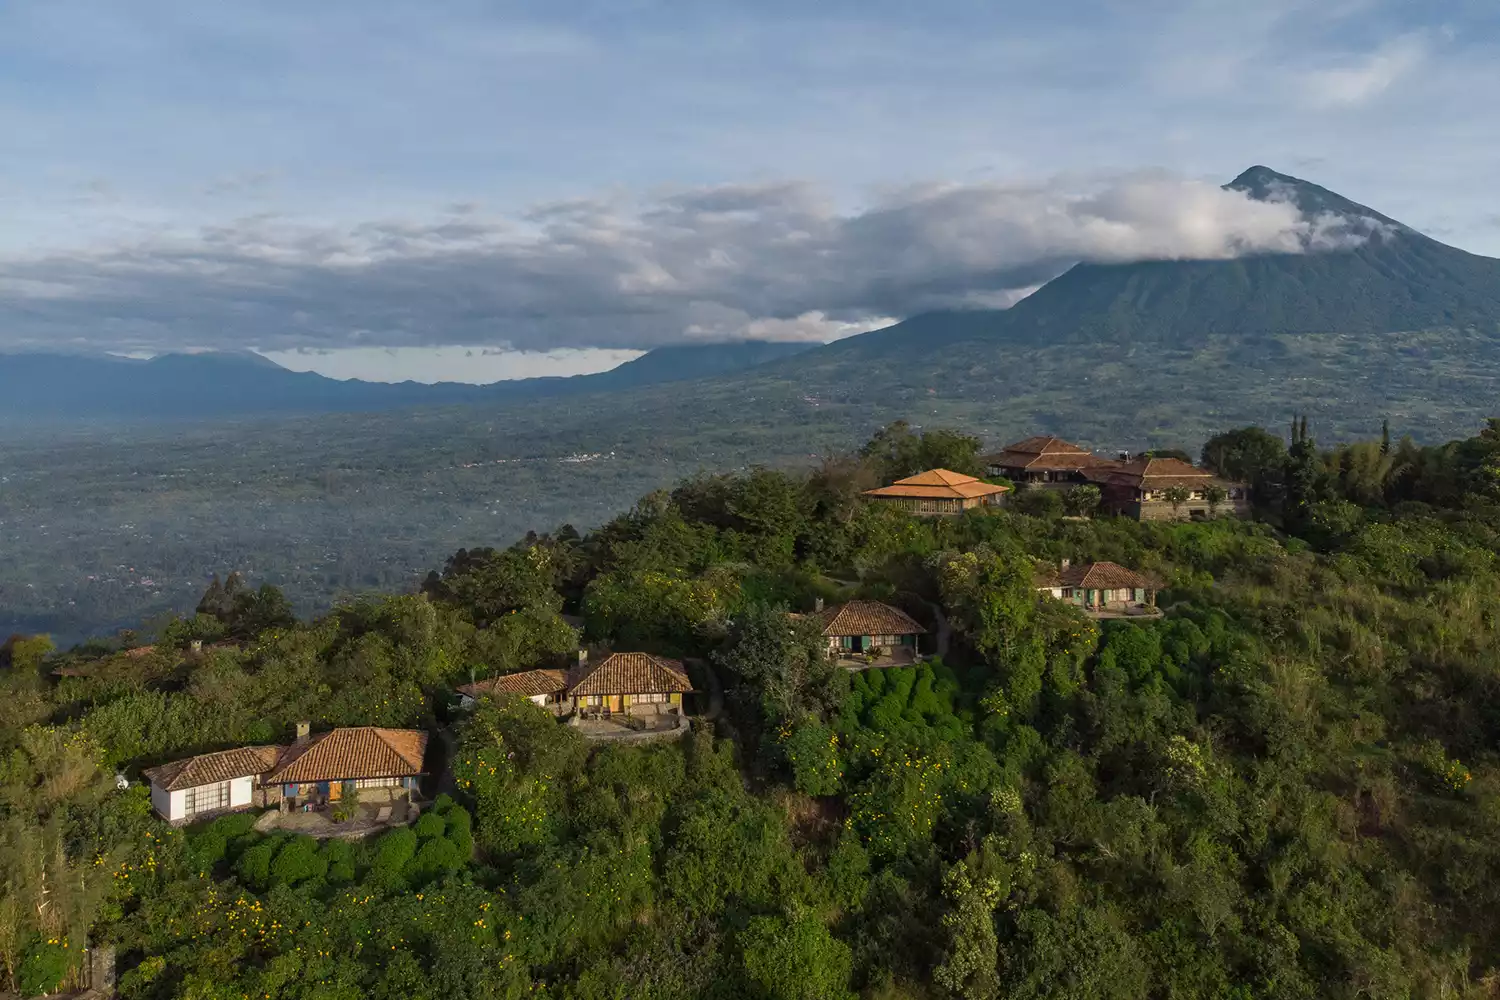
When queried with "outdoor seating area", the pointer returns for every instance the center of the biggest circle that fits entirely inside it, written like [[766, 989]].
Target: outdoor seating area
[[368, 818]]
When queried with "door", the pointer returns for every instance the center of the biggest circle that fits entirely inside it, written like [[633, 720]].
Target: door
[[617, 703], [335, 791]]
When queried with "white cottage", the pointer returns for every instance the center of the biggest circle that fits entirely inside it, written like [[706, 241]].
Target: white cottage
[[211, 783]]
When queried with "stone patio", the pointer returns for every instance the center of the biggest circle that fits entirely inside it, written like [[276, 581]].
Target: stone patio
[[902, 656], [662, 726], [320, 825], [1143, 611]]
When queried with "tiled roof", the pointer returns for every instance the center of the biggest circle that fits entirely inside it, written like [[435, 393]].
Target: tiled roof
[[1157, 474], [1095, 576], [941, 484], [212, 768], [527, 682], [343, 754], [630, 673], [868, 618], [1046, 453]]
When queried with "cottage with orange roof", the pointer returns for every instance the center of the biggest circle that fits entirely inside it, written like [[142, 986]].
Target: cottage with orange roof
[[1045, 461], [1099, 587], [865, 626], [379, 764], [628, 684], [938, 492], [1152, 489]]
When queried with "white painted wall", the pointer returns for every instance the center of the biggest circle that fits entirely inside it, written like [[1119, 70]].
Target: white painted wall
[[172, 806], [161, 801]]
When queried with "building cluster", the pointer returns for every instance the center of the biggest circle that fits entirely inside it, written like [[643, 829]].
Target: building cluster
[[385, 766], [314, 771], [1145, 488]]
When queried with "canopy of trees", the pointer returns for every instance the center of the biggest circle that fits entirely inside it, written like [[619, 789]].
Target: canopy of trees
[[1288, 787]]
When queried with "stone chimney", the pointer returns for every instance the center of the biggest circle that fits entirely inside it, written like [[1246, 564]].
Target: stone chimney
[[1124, 456], [1065, 563], [583, 657], [196, 645], [304, 732], [817, 604]]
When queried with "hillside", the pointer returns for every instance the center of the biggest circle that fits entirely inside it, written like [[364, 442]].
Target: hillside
[[66, 388], [1285, 787]]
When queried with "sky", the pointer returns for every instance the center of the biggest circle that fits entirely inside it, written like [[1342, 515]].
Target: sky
[[393, 190]]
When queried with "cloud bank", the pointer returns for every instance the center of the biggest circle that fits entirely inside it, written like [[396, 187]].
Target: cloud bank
[[771, 261]]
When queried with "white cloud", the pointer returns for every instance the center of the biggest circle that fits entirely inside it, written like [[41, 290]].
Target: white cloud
[[774, 260], [1368, 76], [476, 366]]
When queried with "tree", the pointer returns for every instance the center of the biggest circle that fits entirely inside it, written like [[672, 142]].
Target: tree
[[1304, 478], [25, 653], [897, 451], [1247, 455], [784, 661], [1177, 496], [969, 967], [1215, 495], [795, 958], [1038, 501], [1082, 501]]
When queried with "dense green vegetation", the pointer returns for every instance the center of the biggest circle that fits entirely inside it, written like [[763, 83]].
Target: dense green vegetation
[[1287, 787]]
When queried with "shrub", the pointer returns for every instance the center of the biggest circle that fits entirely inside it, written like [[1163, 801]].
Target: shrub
[[298, 861], [43, 968], [430, 825], [392, 851], [233, 825], [461, 831], [812, 751], [345, 808], [442, 804], [339, 857], [438, 857], [254, 866]]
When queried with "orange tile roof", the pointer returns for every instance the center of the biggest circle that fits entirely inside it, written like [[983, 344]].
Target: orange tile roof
[[527, 682], [359, 752], [1046, 452], [868, 618], [630, 673], [1157, 474], [1095, 576], [940, 484], [212, 768]]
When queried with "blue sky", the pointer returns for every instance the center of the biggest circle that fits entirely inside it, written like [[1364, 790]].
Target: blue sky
[[352, 176]]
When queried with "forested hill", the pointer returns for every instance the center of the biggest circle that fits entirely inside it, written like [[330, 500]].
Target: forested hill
[[66, 388], [1287, 788], [1392, 280]]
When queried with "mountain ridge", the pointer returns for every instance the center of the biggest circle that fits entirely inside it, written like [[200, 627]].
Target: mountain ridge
[[216, 384]]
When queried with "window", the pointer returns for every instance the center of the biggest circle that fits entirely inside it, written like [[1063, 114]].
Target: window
[[377, 782], [206, 798], [648, 699]]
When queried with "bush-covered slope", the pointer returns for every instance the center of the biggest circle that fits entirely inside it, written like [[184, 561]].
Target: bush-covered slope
[[1286, 788]]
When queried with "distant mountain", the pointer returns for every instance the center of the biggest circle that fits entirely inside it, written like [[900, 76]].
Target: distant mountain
[[1392, 324], [1395, 280], [57, 387]]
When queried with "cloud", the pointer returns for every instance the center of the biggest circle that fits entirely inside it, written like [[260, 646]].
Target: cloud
[[1370, 75], [772, 260]]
